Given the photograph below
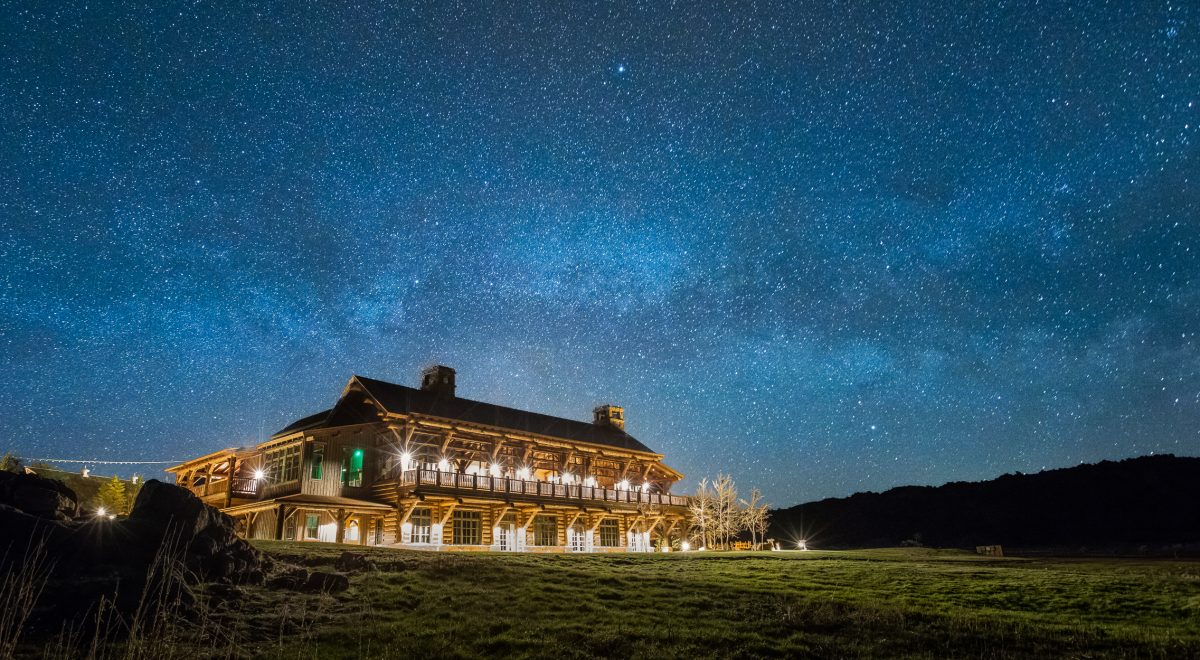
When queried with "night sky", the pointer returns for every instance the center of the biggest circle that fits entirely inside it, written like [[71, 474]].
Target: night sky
[[825, 247]]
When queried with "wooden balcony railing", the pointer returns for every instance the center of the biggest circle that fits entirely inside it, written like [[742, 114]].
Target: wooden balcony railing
[[504, 485], [245, 487]]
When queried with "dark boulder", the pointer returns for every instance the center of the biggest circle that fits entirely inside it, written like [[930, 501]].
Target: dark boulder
[[293, 578], [354, 562], [205, 537], [38, 496], [330, 583]]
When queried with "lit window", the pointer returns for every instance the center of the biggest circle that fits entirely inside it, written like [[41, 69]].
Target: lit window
[[610, 533], [312, 526], [468, 528], [545, 530], [318, 461], [352, 468]]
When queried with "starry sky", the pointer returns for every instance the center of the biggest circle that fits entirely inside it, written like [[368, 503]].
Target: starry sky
[[826, 247]]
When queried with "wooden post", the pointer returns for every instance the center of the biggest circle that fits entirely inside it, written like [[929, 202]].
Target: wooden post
[[280, 514], [364, 528], [340, 517], [403, 513], [229, 481], [669, 530]]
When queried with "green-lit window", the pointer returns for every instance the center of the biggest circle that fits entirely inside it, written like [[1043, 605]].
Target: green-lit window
[[545, 530], [610, 533], [312, 526], [352, 468], [318, 461], [468, 528]]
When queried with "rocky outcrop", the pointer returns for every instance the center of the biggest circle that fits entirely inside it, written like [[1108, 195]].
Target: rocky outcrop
[[205, 537], [38, 496], [100, 556]]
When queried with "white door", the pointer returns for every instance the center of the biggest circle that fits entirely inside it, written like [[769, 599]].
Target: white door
[[508, 538]]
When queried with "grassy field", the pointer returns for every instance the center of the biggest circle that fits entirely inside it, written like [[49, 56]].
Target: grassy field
[[881, 603]]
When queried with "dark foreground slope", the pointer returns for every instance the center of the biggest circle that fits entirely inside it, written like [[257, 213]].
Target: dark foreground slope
[[1148, 504]]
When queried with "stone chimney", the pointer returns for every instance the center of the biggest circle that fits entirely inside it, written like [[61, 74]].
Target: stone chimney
[[438, 379], [609, 415]]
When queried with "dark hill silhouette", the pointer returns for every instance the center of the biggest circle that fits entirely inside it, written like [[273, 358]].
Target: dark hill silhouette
[[1147, 504]]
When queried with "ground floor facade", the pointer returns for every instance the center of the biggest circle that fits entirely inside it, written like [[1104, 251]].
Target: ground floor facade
[[449, 523]]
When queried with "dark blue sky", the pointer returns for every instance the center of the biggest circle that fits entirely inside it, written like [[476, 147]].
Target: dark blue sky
[[822, 246]]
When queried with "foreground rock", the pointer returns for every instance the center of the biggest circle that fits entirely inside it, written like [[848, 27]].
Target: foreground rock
[[205, 537], [38, 496], [96, 556]]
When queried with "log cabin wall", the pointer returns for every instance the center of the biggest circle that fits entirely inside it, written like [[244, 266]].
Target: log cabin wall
[[263, 525]]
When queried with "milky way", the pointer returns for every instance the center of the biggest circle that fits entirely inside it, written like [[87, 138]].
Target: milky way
[[824, 247]]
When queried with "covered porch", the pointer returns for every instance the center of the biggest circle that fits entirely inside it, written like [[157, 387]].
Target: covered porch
[[301, 517], [432, 523]]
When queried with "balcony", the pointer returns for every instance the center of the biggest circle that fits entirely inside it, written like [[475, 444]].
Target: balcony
[[245, 487], [540, 489]]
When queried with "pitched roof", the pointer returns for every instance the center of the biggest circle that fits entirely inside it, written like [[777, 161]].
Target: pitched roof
[[304, 423], [406, 400]]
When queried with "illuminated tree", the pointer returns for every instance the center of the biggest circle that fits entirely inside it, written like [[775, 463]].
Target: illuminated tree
[[727, 516], [10, 463], [701, 509], [112, 496], [756, 517]]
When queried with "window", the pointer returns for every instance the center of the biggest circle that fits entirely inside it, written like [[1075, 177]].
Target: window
[[312, 526], [610, 533], [467, 528], [545, 530], [378, 531], [318, 461], [352, 468], [422, 521], [289, 528], [283, 464]]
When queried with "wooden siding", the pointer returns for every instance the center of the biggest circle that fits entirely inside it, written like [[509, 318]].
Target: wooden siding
[[337, 442]]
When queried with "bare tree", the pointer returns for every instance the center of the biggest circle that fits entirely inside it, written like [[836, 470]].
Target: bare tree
[[703, 514], [726, 514], [756, 517]]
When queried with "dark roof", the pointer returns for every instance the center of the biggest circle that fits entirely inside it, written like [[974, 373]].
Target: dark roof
[[401, 399], [305, 423]]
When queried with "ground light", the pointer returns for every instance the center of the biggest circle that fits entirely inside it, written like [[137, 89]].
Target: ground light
[[685, 546], [802, 544], [102, 512]]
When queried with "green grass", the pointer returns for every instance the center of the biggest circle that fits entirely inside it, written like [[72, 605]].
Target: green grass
[[880, 603]]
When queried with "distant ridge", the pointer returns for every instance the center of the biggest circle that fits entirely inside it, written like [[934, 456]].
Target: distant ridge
[[1147, 505]]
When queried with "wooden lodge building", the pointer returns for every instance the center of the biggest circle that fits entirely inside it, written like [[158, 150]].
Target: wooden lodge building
[[422, 468]]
